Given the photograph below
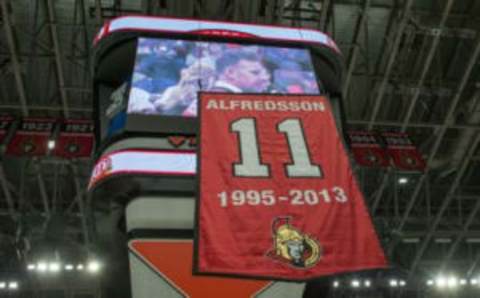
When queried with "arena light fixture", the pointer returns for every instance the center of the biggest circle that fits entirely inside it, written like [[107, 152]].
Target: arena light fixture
[[355, 283], [430, 282], [336, 284], [393, 283], [452, 282], [441, 282], [93, 266], [54, 267], [31, 267], [3, 285], [473, 281], [80, 267], [402, 180], [463, 282], [13, 285], [42, 266], [69, 267], [51, 144], [367, 283], [402, 283]]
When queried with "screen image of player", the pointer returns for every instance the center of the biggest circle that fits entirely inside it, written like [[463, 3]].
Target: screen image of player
[[168, 73]]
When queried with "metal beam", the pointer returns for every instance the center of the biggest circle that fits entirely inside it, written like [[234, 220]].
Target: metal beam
[[7, 193], [322, 23], [443, 129], [42, 188], [58, 57], [460, 236], [356, 45], [426, 66], [14, 56], [446, 202], [391, 60], [81, 204]]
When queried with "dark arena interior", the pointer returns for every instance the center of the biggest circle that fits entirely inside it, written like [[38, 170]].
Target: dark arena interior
[[105, 112]]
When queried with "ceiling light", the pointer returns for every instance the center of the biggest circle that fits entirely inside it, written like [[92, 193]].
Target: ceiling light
[[42, 267], [452, 282], [402, 283], [13, 285], [463, 282], [79, 267], [367, 283], [402, 180], [430, 282], [93, 266], [441, 282], [54, 267], [69, 267], [393, 283], [474, 281], [31, 267], [336, 284], [3, 285], [51, 144], [355, 283]]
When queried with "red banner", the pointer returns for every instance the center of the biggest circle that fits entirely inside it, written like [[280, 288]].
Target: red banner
[[366, 149], [31, 137], [75, 139], [277, 196], [403, 152]]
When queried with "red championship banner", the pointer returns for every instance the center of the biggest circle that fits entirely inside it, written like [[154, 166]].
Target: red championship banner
[[277, 196], [75, 139], [403, 152], [367, 150], [5, 124], [31, 137]]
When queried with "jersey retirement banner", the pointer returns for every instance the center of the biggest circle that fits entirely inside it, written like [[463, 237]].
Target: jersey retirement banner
[[277, 196]]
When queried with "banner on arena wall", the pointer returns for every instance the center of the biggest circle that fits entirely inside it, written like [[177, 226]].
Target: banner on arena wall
[[367, 150], [277, 196], [75, 139], [5, 124], [404, 153], [31, 137]]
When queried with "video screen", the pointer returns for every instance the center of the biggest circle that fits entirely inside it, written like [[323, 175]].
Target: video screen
[[169, 73]]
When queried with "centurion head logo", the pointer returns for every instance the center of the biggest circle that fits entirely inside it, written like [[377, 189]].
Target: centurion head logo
[[293, 247]]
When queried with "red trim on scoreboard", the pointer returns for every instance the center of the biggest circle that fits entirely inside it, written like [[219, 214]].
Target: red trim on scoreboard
[[277, 196]]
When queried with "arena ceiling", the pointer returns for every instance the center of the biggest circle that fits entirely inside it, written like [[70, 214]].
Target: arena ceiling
[[410, 66]]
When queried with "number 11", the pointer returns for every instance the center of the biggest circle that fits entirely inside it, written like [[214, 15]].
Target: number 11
[[250, 164]]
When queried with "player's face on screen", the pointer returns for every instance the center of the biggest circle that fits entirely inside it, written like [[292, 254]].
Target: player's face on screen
[[250, 76]]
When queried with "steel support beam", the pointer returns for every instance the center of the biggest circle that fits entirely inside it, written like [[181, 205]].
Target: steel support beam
[[443, 129], [42, 188], [390, 62], [426, 66], [465, 126], [322, 22], [356, 45], [459, 238], [7, 25], [58, 56], [6, 193], [446, 202], [81, 204]]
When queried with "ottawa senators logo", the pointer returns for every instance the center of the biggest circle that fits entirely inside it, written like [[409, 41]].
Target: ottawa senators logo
[[292, 247]]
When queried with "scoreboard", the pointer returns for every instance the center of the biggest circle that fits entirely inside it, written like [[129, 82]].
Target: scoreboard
[[228, 135]]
